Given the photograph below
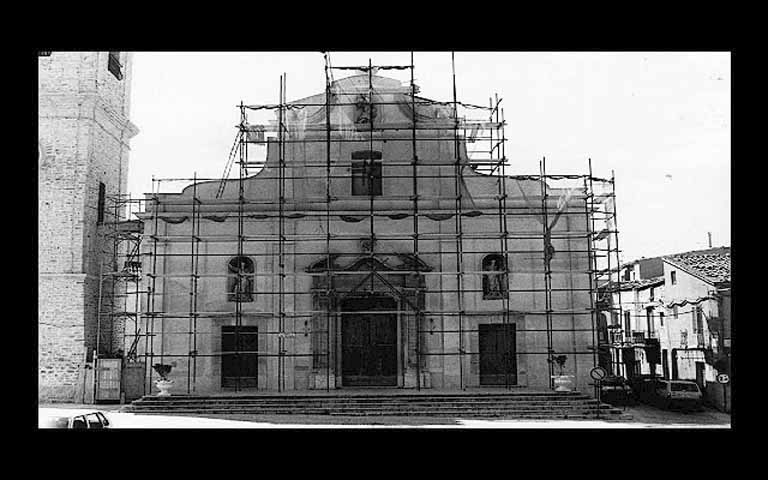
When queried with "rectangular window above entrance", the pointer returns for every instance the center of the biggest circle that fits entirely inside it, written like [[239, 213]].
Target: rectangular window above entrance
[[366, 173]]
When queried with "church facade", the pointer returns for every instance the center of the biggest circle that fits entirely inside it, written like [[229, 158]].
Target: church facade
[[384, 258]]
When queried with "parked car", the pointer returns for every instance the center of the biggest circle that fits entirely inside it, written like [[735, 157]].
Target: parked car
[[643, 386], [678, 393], [616, 391], [71, 418]]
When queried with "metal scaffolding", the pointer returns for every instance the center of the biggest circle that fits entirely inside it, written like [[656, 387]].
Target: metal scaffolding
[[270, 225]]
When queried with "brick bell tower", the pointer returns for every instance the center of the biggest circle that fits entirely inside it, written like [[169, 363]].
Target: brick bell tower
[[84, 132]]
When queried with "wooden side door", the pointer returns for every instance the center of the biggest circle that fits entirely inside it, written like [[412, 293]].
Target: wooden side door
[[498, 360], [239, 369]]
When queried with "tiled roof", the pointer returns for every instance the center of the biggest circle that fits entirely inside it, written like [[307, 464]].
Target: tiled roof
[[633, 284], [713, 265]]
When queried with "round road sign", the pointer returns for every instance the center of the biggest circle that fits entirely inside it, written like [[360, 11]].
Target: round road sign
[[598, 373], [723, 378]]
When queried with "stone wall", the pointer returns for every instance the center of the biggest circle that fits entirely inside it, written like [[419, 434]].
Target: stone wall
[[83, 134], [61, 342], [526, 282]]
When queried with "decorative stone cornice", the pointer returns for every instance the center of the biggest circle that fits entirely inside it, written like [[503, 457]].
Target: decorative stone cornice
[[118, 119]]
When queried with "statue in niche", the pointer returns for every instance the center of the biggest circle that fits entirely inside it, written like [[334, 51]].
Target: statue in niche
[[241, 271], [494, 282]]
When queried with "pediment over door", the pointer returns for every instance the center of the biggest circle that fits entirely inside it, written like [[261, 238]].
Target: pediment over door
[[405, 262], [395, 275]]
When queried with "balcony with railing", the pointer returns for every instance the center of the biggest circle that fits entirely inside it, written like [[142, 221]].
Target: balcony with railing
[[615, 336]]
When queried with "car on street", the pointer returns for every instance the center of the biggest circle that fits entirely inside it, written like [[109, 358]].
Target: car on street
[[71, 418], [616, 391], [667, 394], [643, 386], [678, 393]]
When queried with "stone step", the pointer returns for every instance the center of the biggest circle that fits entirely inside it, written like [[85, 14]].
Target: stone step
[[509, 405], [380, 404], [368, 408], [380, 411], [416, 397], [478, 401], [444, 408], [373, 409], [584, 414]]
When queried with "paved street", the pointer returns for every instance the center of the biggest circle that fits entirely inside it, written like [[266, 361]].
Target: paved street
[[651, 415], [644, 416]]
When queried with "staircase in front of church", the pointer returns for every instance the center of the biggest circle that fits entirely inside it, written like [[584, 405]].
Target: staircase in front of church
[[512, 405]]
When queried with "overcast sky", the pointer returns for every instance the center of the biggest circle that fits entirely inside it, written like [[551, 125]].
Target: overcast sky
[[661, 121]]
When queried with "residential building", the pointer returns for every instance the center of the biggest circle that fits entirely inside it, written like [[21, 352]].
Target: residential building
[[696, 340], [631, 317]]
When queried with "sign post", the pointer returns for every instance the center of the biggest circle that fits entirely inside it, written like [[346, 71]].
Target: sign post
[[598, 374], [723, 379]]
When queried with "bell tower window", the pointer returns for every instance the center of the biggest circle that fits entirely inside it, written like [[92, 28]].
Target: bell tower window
[[102, 203], [114, 65]]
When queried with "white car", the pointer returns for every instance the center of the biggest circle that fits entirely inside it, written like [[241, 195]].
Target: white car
[[672, 393], [71, 418]]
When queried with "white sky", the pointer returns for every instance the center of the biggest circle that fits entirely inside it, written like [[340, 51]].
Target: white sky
[[643, 115]]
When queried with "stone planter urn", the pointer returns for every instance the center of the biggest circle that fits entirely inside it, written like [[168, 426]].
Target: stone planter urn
[[563, 383], [164, 386]]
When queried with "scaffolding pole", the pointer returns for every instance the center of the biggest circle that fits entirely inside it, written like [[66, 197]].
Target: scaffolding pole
[[328, 278]]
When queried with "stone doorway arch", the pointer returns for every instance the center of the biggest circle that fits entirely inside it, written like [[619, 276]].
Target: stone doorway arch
[[397, 277]]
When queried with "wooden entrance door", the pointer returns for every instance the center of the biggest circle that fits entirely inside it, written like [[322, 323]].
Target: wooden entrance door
[[498, 362], [239, 366], [369, 342]]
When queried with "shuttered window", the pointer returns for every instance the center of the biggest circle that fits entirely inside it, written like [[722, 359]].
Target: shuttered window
[[699, 320]]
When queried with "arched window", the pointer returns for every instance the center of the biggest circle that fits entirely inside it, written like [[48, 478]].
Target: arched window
[[495, 281], [240, 282]]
